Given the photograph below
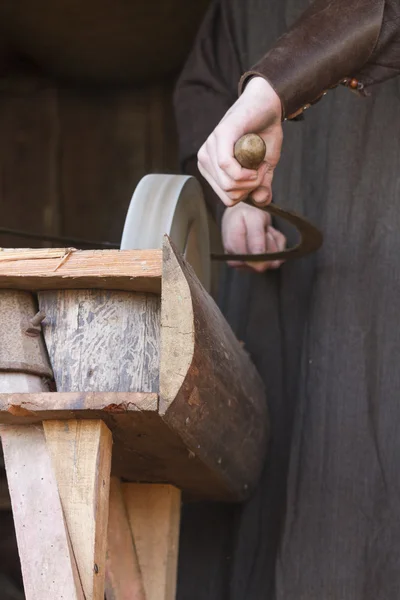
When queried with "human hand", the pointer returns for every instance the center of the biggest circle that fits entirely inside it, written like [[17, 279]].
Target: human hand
[[248, 230], [258, 110]]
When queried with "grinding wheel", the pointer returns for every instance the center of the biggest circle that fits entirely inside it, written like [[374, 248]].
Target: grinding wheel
[[173, 205]]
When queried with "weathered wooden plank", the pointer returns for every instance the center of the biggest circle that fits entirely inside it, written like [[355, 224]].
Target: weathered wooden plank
[[22, 382], [209, 434], [68, 405], [102, 340], [210, 392], [145, 448], [150, 450], [81, 458], [154, 516], [123, 575], [48, 269], [47, 560], [19, 350]]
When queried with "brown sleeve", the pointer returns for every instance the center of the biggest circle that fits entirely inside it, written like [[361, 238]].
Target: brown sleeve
[[331, 43], [384, 62], [206, 89]]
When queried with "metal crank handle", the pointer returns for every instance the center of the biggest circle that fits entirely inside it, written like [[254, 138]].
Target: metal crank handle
[[250, 152]]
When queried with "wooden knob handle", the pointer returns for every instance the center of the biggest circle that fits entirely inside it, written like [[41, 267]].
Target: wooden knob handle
[[250, 151]]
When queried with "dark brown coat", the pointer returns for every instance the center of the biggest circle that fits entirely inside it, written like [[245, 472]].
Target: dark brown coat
[[323, 332]]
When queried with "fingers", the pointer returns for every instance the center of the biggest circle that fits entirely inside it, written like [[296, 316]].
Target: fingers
[[216, 163], [257, 242], [226, 199], [247, 230], [279, 238], [272, 244], [258, 110], [235, 238], [276, 243], [262, 195], [226, 161], [231, 182], [256, 236]]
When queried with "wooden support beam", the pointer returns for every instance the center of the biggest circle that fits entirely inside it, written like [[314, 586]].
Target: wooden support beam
[[81, 458], [217, 402], [123, 575], [154, 516], [21, 354], [47, 561], [204, 430], [17, 408], [145, 448], [102, 339], [130, 270]]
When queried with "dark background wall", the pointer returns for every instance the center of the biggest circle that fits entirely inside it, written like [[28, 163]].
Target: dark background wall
[[85, 113], [70, 158]]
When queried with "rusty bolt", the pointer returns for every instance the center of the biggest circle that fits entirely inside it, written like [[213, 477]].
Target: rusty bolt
[[33, 327]]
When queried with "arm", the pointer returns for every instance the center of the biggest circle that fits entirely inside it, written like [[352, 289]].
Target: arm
[[334, 41], [206, 89], [356, 42]]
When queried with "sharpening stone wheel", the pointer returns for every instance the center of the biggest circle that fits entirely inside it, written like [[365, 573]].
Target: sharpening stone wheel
[[173, 205]]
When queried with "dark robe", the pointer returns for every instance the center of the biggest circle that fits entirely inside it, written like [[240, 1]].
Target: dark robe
[[324, 333]]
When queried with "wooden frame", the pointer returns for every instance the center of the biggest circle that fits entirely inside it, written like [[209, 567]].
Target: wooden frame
[[55, 269], [200, 427], [210, 393]]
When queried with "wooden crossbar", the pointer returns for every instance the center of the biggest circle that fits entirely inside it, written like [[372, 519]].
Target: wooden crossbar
[[63, 268]]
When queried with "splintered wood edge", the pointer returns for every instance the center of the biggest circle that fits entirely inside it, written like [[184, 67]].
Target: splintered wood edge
[[63, 268], [177, 328], [165, 459], [228, 430], [30, 408]]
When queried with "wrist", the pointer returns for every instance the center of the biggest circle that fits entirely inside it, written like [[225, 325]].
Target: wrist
[[260, 88]]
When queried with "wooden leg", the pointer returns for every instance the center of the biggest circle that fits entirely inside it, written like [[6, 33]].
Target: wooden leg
[[123, 576], [154, 516], [47, 561], [58, 474], [81, 458]]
